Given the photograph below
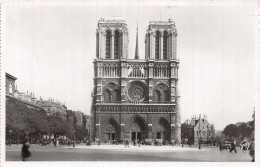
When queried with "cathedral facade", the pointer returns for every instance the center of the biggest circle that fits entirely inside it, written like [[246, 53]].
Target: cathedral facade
[[135, 98]]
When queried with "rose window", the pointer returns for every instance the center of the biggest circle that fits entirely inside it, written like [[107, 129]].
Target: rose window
[[136, 91]]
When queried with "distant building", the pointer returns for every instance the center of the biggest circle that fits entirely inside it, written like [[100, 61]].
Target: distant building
[[10, 87], [202, 128], [79, 118], [12, 92], [51, 107], [198, 127]]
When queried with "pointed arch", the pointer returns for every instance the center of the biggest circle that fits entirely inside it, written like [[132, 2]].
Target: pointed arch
[[165, 44], [157, 44], [161, 93], [137, 122], [110, 129], [111, 92], [116, 44], [107, 96], [166, 95], [108, 36], [156, 96], [166, 131]]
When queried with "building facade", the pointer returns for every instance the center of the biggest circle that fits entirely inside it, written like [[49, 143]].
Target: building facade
[[53, 107], [135, 98], [202, 129], [12, 92]]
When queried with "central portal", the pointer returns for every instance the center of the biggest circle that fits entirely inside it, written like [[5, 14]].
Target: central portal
[[136, 136], [135, 132]]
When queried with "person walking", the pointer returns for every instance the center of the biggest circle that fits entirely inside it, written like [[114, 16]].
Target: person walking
[[252, 150], [233, 146], [125, 143], [25, 150], [221, 142]]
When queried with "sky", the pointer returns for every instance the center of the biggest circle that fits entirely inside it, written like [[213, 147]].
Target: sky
[[50, 49]]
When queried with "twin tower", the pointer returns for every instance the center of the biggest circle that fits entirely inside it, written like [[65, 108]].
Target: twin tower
[[135, 99]]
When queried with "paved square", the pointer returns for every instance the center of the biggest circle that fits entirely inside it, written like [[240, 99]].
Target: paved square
[[120, 153]]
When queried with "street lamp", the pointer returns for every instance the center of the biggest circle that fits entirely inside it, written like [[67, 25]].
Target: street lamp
[[10, 133], [74, 138], [199, 136]]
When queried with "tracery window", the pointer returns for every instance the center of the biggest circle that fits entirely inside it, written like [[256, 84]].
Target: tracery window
[[157, 44], [107, 96], [156, 96], [137, 91], [108, 35], [111, 93], [116, 45], [161, 93], [165, 44]]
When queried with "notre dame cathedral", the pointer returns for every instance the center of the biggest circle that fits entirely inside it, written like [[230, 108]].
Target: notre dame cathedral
[[135, 98]]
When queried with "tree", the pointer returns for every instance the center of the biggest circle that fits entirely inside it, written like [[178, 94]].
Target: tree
[[252, 123], [23, 120], [244, 130], [231, 130], [58, 126]]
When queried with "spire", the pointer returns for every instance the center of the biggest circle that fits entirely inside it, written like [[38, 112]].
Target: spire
[[136, 47]]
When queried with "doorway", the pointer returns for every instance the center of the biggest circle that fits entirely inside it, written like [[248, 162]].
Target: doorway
[[136, 135]]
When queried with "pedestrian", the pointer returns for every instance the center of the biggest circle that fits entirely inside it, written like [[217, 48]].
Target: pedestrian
[[252, 150], [220, 145], [233, 146], [57, 142], [98, 141], [125, 143], [25, 150], [172, 142], [54, 142], [244, 145]]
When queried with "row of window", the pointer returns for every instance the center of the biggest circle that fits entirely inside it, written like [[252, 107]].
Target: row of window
[[116, 44], [157, 45], [117, 48], [114, 96]]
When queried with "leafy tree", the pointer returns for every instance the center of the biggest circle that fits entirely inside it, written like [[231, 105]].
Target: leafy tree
[[23, 120], [244, 130], [231, 130], [58, 126], [252, 123]]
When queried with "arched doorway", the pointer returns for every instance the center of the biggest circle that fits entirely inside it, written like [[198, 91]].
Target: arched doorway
[[135, 132], [110, 130], [164, 130], [136, 128]]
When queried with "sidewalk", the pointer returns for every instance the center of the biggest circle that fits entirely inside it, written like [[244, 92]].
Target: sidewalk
[[141, 148]]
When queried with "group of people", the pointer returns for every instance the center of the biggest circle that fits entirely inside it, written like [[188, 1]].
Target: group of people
[[244, 145]]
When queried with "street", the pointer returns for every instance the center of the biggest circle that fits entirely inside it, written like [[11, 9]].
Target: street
[[119, 153]]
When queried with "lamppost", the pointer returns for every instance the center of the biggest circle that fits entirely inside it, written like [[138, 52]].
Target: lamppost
[[73, 137], [74, 130], [10, 133], [199, 136]]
